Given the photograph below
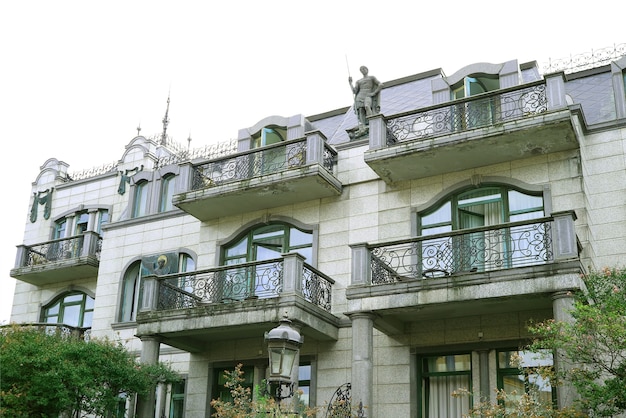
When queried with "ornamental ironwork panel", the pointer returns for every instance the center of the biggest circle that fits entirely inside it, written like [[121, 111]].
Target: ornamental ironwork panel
[[226, 284], [474, 250], [471, 113], [316, 288], [254, 163], [61, 249]]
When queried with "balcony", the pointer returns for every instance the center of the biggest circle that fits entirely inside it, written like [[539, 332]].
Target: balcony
[[188, 310], [489, 128], [487, 270], [66, 331], [280, 174], [76, 257]]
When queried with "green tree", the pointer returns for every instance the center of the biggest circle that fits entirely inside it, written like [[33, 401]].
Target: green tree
[[45, 374], [594, 343]]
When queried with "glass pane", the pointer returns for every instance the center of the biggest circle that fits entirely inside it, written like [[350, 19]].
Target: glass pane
[[482, 196], [59, 229], [88, 302], [441, 215], [240, 248], [73, 298], [297, 237], [167, 193], [87, 318], [437, 398], [437, 230], [306, 252], [81, 223], [304, 372], [522, 202], [439, 364], [526, 216], [71, 315], [54, 309], [104, 219], [141, 199]]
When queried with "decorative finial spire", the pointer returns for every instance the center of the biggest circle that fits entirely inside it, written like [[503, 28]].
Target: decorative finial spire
[[166, 122], [138, 129], [188, 141]]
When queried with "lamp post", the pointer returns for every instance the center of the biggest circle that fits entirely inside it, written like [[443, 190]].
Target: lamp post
[[283, 347]]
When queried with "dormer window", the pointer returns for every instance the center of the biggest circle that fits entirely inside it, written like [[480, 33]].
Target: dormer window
[[475, 84], [268, 136]]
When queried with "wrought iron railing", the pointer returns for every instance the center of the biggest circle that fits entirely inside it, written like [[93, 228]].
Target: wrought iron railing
[[226, 284], [258, 162], [316, 287], [470, 113], [58, 249], [505, 246]]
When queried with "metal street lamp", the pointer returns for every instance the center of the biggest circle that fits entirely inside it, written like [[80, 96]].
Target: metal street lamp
[[283, 347]]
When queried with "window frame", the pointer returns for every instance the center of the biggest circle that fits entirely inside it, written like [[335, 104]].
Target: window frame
[[86, 305], [423, 379], [167, 192], [141, 198], [503, 372], [133, 272]]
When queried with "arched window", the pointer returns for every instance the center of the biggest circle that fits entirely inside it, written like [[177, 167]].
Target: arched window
[[167, 193], [484, 206], [260, 243], [490, 244], [131, 292], [132, 288], [140, 202], [475, 113], [73, 308], [269, 241]]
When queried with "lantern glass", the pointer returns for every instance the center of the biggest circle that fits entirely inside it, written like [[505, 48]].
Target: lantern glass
[[281, 362]]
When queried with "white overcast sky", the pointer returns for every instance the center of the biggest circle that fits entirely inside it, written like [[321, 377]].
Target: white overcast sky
[[78, 77]]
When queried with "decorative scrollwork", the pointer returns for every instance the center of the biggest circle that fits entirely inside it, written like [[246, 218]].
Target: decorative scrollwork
[[470, 113], [316, 288], [473, 250]]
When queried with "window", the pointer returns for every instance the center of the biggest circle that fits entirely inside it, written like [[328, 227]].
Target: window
[[140, 202], [74, 309], [167, 193], [103, 219], [304, 384], [264, 242], [131, 292], [517, 374], [59, 229], [132, 286], [439, 377], [177, 399], [475, 113], [486, 248], [82, 221], [220, 391], [273, 159]]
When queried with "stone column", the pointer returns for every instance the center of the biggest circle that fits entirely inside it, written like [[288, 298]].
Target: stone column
[[562, 305], [149, 355], [362, 360]]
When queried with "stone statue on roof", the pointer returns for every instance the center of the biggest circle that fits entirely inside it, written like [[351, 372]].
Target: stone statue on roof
[[366, 96]]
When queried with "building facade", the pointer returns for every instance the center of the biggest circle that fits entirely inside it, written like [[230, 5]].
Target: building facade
[[410, 252]]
